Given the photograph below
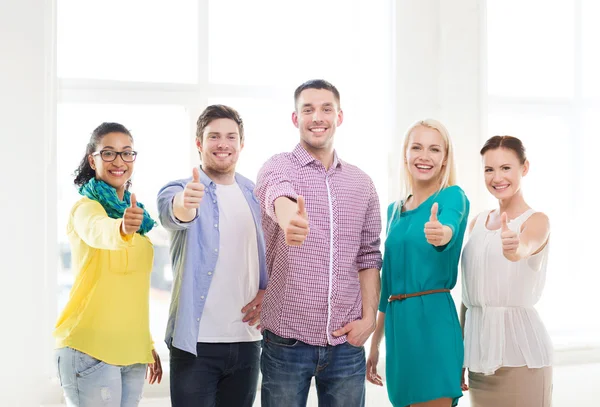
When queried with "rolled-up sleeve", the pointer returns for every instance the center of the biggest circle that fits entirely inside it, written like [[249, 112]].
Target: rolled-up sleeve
[[274, 181], [369, 254]]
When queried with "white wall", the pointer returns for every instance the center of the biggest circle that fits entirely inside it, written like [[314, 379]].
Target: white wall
[[27, 173], [439, 74]]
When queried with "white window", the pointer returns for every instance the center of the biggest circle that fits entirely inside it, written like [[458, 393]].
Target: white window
[[543, 87], [155, 65]]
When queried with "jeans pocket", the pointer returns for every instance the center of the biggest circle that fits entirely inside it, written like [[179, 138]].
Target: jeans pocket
[[271, 338], [86, 364], [355, 347]]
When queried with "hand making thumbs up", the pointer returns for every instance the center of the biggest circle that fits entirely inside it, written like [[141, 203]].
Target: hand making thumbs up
[[297, 230], [193, 192], [302, 207], [187, 201], [132, 218], [434, 230], [510, 239]]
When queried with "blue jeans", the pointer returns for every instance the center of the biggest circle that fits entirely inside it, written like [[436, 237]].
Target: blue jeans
[[288, 366], [223, 374], [88, 382]]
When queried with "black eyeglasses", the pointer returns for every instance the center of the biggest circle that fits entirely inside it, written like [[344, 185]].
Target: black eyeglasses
[[110, 155]]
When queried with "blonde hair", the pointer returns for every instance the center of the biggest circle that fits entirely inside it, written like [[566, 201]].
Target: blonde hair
[[448, 174]]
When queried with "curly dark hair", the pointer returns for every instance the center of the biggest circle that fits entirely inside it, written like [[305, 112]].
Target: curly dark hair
[[84, 171]]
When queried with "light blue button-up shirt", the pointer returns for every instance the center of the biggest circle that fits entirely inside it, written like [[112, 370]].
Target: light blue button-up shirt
[[194, 254]]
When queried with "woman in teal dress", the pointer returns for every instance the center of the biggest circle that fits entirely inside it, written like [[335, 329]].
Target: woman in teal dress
[[424, 346]]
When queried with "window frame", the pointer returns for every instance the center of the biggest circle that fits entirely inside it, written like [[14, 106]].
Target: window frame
[[572, 111], [193, 97]]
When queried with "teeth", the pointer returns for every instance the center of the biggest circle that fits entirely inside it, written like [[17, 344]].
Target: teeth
[[222, 154], [317, 130], [117, 172], [424, 167], [501, 187]]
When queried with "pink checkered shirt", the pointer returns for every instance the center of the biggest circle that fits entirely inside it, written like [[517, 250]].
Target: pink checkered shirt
[[314, 289]]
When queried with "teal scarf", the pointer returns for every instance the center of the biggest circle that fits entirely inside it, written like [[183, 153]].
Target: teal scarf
[[115, 208]]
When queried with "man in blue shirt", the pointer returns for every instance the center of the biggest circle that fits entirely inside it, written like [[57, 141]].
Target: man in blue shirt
[[218, 260]]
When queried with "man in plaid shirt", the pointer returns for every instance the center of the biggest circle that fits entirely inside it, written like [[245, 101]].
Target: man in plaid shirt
[[322, 223]]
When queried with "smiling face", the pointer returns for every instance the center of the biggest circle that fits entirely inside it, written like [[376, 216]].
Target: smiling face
[[425, 155], [503, 172], [220, 146], [115, 173], [317, 116]]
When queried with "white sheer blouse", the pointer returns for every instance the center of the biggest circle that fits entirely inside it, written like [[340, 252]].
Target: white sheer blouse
[[502, 327]]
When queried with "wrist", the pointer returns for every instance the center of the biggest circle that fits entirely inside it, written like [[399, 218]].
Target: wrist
[[447, 235], [514, 257], [369, 314], [370, 320], [178, 201]]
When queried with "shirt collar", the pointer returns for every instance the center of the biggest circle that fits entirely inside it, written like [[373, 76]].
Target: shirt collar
[[206, 180], [305, 158]]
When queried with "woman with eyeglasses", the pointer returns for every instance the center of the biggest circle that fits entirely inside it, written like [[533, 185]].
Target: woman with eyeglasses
[[104, 347]]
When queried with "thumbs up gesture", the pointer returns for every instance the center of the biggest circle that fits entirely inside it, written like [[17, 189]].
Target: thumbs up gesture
[[297, 230], [193, 191], [510, 239], [132, 218], [187, 202], [434, 230]]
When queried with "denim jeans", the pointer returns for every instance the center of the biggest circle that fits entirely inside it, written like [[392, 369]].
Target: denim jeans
[[88, 382], [223, 375], [288, 366]]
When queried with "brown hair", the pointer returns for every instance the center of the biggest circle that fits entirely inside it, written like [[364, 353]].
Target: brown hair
[[215, 112], [316, 84], [507, 142]]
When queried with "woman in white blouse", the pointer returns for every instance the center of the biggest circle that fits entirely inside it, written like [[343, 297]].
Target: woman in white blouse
[[507, 349]]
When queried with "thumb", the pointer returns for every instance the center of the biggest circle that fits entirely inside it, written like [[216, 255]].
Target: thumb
[[504, 221], [195, 175], [434, 212], [342, 331], [301, 206], [133, 201]]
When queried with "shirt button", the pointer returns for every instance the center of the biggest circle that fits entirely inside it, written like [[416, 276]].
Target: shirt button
[[216, 250], [198, 319], [214, 201], [216, 225], [201, 297], [210, 273]]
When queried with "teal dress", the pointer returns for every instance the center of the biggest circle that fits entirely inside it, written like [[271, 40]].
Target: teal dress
[[424, 346]]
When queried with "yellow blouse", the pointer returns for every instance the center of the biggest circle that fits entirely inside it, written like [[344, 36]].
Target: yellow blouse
[[107, 315]]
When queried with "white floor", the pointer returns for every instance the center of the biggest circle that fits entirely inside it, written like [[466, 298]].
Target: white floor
[[577, 385]]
